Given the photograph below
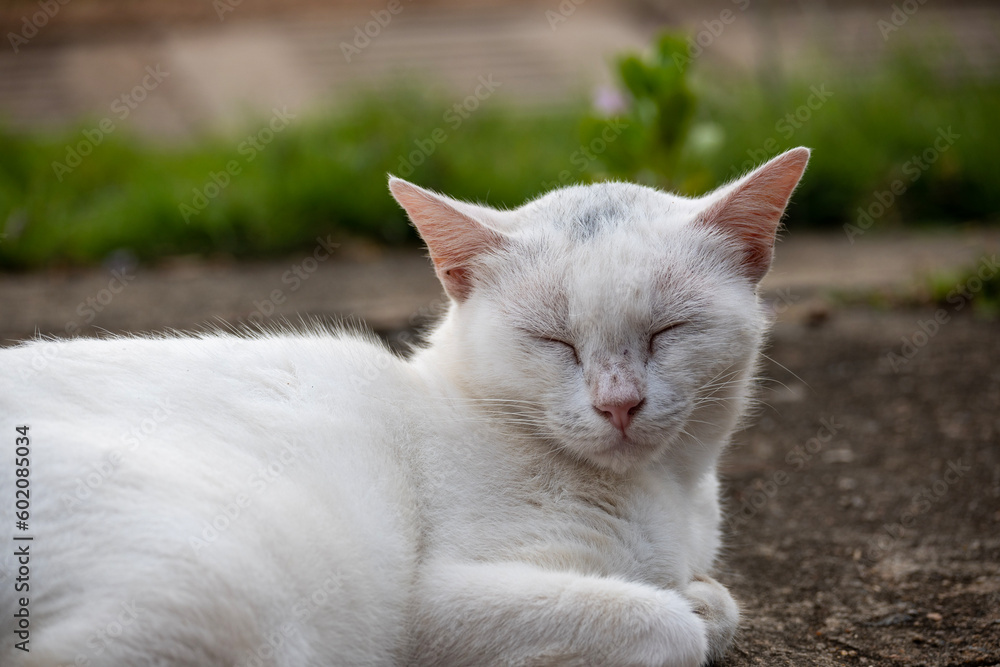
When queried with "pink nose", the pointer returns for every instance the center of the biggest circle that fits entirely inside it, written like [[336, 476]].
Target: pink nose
[[620, 414]]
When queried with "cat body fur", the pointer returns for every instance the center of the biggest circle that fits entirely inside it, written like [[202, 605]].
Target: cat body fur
[[213, 507], [535, 486]]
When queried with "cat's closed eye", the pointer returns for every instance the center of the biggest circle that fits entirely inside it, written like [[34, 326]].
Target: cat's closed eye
[[662, 333], [558, 342]]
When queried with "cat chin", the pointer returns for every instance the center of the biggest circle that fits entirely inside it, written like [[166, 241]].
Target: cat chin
[[620, 453]]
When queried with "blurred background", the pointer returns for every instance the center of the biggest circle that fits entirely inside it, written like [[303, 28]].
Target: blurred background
[[119, 118], [180, 164]]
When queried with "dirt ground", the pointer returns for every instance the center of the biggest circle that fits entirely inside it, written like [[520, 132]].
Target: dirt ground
[[880, 546], [864, 499]]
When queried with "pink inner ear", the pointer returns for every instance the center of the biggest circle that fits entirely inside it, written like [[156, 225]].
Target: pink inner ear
[[752, 211], [453, 238]]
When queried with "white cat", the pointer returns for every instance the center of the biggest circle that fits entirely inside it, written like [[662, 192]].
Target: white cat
[[536, 486]]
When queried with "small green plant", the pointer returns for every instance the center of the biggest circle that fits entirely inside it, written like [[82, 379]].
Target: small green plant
[[977, 285], [654, 115], [974, 288]]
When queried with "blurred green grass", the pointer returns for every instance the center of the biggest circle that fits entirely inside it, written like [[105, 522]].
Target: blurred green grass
[[326, 173], [322, 174]]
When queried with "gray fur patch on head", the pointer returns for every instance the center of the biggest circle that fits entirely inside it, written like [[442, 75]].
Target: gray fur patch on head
[[596, 218], [584, 212]]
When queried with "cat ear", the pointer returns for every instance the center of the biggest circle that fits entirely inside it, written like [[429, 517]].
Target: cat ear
[[453, 231], [750, 209]]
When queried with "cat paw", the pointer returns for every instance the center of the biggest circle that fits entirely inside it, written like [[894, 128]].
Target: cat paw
[[717, 608]]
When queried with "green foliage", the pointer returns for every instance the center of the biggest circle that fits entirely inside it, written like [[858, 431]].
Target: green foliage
[[978, 284], [870, 130], [674, 124], [656, 119], [873, 130], [320, 175]]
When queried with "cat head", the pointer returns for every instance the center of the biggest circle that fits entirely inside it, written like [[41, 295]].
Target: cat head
[[613, 321]]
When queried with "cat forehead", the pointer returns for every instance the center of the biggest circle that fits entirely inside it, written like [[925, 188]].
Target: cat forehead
[[584, 212], [606, 279]]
